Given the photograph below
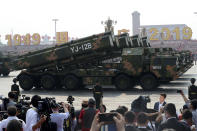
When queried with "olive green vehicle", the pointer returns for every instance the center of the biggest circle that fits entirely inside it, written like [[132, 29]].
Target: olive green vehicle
[[121, 60]]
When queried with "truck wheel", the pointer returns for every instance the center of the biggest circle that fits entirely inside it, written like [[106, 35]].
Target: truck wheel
[[6, 73], [148, 82], [25, 82], [37, 83], [71, 82], [123, 82], [47, 82]]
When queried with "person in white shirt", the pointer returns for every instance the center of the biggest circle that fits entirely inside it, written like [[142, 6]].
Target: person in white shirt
[[57, 117], [11, 116], [33, 120]]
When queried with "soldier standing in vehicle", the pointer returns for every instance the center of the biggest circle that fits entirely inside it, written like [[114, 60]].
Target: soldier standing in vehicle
[[192, 90], [97, 94], [15, 89]]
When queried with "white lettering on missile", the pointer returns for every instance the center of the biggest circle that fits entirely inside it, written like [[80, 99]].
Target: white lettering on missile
[[83, 47], [157, 67], [72, 49], [77, 49], [87, 46]]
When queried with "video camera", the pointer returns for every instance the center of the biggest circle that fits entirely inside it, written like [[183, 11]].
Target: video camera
[[3, 115], [22, 106], [70, 100], [140, 104], [5, 101], [44, 106], [179, 91]]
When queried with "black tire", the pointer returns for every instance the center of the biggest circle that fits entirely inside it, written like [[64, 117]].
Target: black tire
[[148, 82], [25, 82], [123, 82], [37, 84], [71, 82], [81, 85], [47, 82], [5, 72]]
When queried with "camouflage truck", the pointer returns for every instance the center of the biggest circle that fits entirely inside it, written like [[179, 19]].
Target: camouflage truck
[[121, 60], [185, 58], [48, 67]]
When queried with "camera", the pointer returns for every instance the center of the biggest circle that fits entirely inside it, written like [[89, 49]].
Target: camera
[[24, 97], [107, 117], [3, 114], [140, 104], [70, 99], [5, 101], [44, 106], [22, 106], [179, 91], [147, 99]]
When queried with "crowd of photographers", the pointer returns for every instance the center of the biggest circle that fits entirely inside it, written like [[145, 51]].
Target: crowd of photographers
[[19, 113]]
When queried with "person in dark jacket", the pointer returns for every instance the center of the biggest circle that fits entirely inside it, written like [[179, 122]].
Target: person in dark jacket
[[130, 121], [15, 89], [97, 94], [192, 90], [187, 119], [172, 121], [160, 103]]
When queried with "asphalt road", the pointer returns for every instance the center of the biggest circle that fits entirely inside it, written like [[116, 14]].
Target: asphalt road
[[112, 98]]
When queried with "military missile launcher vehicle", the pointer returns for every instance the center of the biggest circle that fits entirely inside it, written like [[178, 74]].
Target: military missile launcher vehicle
[[120, 60]]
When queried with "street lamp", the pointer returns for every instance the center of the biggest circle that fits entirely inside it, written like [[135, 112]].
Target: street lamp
[[109, 24], [55, 27]]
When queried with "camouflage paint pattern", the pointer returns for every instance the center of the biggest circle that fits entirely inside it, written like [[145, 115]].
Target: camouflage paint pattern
[[84, 58], [65, 52]]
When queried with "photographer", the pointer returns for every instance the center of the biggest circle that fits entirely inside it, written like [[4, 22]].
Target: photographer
[[171, 122], [140, 104], [119, 121], [192, 105], [33, 122], [187, 119], [8, 102], [11, 116], [57, 117]]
